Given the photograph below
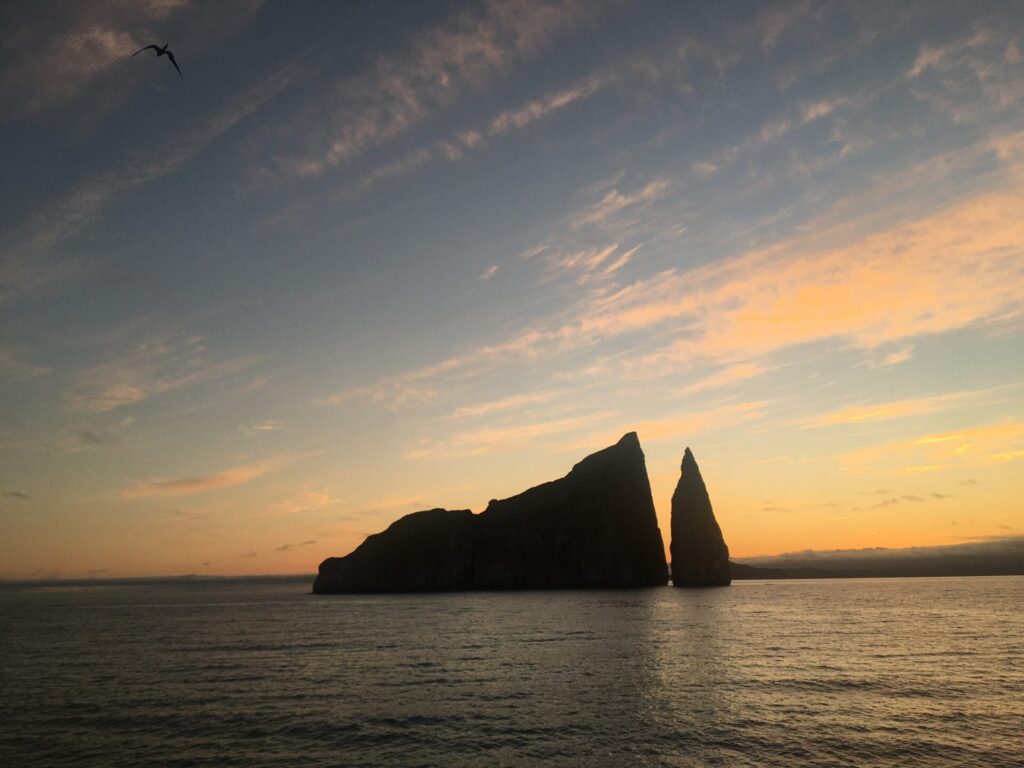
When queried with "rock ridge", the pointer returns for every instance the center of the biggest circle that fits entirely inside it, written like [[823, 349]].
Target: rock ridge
[[594, 527]]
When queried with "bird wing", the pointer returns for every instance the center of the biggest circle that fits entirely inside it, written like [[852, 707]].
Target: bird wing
[[145, 49], [171, 57]]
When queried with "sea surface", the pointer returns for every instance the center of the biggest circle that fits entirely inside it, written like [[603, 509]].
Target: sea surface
[[886, 672]]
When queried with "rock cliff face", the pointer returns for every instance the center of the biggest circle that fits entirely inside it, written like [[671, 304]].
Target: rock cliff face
[[596, 527], [700, 557]]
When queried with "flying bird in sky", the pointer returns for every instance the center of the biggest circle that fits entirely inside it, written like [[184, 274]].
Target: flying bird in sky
[[161, 52]]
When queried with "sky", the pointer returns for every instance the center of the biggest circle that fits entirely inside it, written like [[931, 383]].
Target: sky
[[363, 259]]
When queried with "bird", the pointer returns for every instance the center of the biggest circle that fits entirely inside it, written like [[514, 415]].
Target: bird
[[161, 52]]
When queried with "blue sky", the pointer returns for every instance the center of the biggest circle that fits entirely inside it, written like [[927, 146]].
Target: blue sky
[[364, 259]]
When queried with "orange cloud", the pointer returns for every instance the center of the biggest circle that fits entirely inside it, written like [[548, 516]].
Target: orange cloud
[[984, 444], [539, 108], [514, 402], [673, 426], [186, 486], [934, 274], [480, 441], [895, 409], [724, 377]]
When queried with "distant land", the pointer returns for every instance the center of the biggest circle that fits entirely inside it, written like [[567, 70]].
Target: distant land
[[997, 556], [191, 579]]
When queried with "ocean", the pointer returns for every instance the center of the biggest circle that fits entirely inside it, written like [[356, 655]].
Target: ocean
[[872, 672]]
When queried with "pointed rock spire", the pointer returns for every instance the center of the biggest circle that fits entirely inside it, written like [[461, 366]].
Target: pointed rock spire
[[700, 557]]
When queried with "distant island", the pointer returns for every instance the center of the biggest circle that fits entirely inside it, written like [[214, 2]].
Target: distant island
[[595, 527], [996, 556]]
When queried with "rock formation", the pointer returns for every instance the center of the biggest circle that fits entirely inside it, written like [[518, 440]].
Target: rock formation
[[596, 527], [700, 557]]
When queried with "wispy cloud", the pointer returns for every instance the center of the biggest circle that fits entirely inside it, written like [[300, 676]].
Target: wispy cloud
[[459, 55], [27, 266], [672, 427], [974, 79], [897, 409], [286, 547], [726, 376], [943, 271], [187, 486], [774, 22], [993, 443], [911, 499], [14, 368], [18, 495], [303, 501], [899, 356], [511, 403], [590, 263], [48, 68], [614, 202], [94, 436], [480, 441], [456, 146], [517, 119], [262, 428], [150, 369]]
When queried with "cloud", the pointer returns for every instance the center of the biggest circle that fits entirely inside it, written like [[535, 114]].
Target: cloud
[[460, 55], [726, 376], [48, 68], [398, 391], [455, 147], [929, 275], [27, 267], [187, 486], [672, 427], [485, 440], [286, 547], [88, 438], [53, 60], [511, 403], [517, 119], [899, 356], [993, 443], [910, 499], [304, 501], [488, 273], [773, 23], [927, 271], [14, 369], [150, 369], [15, 495], [95, 437], [974, 79], [896, 409], [614, 202], [590, 263], [262, 428]]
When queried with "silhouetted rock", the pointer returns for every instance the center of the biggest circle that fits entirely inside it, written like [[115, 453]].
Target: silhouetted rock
[[700, 557], [596, 527]]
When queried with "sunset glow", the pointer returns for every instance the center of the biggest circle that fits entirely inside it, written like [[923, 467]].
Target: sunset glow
[[354, 264]]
